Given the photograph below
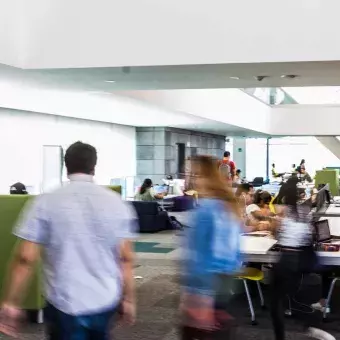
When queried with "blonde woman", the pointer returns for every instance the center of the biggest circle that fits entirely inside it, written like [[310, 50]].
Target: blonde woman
[[212, 247]]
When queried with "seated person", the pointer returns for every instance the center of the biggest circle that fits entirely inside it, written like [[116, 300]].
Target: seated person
[[275, 174], [237, 178], [245, 196], [302, 195], [146, 192], [169, 184], [259, 210], [304, 176]]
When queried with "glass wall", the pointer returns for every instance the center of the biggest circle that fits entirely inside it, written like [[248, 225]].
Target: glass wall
[[256, 156], [285, 152]]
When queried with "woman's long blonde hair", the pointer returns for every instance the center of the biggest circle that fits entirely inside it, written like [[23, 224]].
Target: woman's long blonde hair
[[215, 185]]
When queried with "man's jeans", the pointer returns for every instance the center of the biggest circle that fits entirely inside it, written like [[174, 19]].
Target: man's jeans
[[61, 326]]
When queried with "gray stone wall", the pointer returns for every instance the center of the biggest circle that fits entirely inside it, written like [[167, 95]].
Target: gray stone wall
[[157, 149]]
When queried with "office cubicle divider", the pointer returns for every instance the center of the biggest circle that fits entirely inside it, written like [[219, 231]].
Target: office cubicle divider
[[10, 209]]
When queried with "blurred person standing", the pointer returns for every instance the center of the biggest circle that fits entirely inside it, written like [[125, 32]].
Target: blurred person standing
[[295, 238], [83, 231], [212, 248]]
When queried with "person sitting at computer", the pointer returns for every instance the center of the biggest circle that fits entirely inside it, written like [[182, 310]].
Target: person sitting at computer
[[302, 196], [259, 210], [304, 176], [238, 179], [301, 167], [245, 197], [275, 174], [147, 193]]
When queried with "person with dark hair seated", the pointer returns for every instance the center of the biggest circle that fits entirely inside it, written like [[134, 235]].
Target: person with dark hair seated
[[18, 189], [245, 197], [238, 178], [259, 211], [146, 192]]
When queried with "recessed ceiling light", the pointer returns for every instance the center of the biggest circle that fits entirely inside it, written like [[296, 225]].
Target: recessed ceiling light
[[290, 76], [110, 81], [235, 78]]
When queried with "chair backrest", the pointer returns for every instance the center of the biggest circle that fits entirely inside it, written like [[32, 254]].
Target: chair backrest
[[116, 188], [146, 208], [10, 209], [258, 181]]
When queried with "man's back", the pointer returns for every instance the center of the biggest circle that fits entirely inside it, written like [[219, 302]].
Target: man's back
[[80, 227], [227, 168]]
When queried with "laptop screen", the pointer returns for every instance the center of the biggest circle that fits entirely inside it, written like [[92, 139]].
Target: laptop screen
[[323, 232]]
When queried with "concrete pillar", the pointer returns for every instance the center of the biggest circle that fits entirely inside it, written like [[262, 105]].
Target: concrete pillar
[[239, 154]]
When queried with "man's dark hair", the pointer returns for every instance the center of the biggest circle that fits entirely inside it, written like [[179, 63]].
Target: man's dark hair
[[226, 154], [80, 158]]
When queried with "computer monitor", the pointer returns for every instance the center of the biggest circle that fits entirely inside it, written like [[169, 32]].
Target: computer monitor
[[306, 206], [323, 197], [323, 232]]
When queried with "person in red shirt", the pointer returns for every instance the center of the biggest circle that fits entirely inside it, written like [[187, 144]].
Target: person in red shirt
[[227, 167]]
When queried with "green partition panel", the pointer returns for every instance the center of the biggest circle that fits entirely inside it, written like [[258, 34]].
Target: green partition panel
[[116, 188], [330, 177], [10, 209]]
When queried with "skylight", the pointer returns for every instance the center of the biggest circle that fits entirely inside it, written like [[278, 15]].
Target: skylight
[[315, 94]]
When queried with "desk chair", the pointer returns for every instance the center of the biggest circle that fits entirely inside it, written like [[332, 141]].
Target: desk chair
[[252, 274], [257, 182], [329, 295]]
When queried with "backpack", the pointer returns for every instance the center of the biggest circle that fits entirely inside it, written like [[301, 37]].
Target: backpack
[[225, 170]]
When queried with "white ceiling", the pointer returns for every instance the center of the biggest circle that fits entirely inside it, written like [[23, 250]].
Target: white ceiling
[[187, 76], [34, 92], [77, 33], [81, 92]]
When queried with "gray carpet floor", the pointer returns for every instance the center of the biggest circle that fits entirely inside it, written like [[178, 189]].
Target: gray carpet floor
[[158, 298]]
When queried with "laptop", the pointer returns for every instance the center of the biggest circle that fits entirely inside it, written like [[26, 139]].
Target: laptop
[[323, 233]]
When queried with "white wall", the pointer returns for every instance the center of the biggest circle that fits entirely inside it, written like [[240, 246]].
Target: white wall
[[23, 134], [152, 32]]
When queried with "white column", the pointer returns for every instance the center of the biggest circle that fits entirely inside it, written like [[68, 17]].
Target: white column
[[239, 154]]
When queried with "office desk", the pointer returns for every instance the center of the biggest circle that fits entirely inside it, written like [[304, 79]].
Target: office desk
[[332, 210], [257, 249]]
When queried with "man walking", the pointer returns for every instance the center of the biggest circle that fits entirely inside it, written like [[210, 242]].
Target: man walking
[[83, 231], [227, 167]]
